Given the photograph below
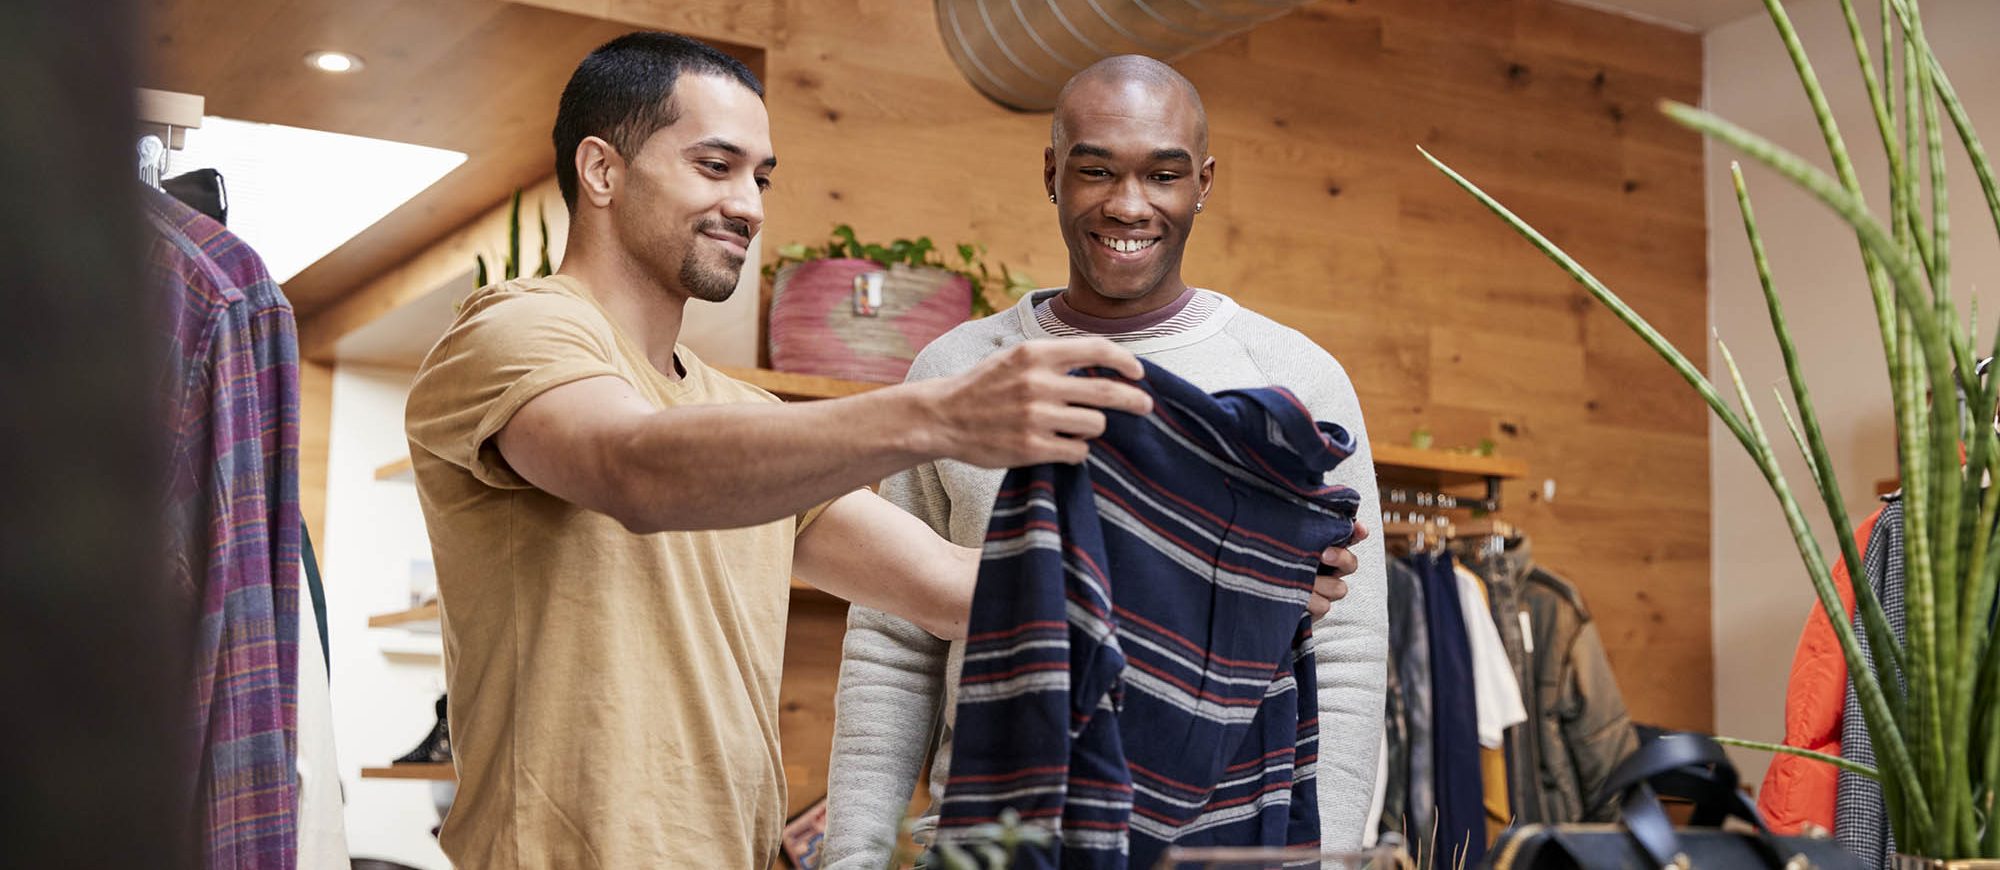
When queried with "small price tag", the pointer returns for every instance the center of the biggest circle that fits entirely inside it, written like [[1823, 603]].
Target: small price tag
[[868, 294]]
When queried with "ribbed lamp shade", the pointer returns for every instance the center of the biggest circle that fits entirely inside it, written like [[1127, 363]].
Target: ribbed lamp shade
[[1019, 52]]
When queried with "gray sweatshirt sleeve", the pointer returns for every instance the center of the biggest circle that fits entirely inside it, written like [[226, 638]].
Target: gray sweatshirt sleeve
[[1351, 643], [887, 709]]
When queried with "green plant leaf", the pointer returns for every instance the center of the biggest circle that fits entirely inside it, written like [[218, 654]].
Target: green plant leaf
[[1882, 643], [513, 265], [548, 264], [1853, 767], [1890, 739]]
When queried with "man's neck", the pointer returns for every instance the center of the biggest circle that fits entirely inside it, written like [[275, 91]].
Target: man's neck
[[646, 312], [1085, 299]]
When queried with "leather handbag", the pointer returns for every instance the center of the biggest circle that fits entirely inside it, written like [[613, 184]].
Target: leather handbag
[[1687, 766]]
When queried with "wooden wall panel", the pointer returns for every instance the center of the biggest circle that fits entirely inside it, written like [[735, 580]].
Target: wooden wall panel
[[1325, 217], [315, 433]]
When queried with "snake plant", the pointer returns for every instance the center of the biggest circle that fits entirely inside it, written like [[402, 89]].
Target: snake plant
[[1931, 702]]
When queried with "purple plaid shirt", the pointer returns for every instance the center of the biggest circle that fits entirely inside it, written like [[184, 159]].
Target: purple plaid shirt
[[232, 405]]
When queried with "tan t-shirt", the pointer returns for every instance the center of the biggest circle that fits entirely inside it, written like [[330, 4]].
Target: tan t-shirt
[[614, 696]]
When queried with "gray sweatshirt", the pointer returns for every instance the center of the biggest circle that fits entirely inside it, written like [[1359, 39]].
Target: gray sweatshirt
[[898, 683]]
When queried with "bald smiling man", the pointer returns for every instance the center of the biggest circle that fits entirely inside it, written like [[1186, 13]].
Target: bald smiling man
[[1127, 172]]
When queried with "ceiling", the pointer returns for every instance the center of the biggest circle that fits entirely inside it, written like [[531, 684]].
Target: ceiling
[[1695, 15], [475, 76]]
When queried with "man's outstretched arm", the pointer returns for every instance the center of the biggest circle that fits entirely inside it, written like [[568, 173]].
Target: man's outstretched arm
[[597, 444]]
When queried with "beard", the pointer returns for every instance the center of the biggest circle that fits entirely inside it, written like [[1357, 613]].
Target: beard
[[712, 277]]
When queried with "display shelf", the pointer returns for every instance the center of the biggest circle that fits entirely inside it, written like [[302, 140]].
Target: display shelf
[[401, 469], [803, 591], [1443, 468], [792, 386], [440, 771], [415, 644], [426, 613]]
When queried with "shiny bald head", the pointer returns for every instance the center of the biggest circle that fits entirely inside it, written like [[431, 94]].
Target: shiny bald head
[[1133, 77]]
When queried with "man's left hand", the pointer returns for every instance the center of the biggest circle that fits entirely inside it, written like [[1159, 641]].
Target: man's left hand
[[1332, 585]]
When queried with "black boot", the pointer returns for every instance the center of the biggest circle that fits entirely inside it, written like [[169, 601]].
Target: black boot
[[437, 747]]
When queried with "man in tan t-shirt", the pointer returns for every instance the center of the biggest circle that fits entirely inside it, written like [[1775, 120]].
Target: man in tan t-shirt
[[614, 523]]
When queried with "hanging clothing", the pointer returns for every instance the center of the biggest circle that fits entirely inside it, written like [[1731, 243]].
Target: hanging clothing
[[322, 809], [1579, 718], [1498, 697], [1505, 573], [1497, 694], [1861, 816], [1409, 795], [1461, 826], [1138, 650], [1799, 791], [1578, 729], [231, 387]]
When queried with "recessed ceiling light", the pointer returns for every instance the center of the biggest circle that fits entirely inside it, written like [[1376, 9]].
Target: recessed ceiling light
[[333, 61]]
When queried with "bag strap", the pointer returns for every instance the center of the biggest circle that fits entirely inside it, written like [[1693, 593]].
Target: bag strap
[[1688, 766]]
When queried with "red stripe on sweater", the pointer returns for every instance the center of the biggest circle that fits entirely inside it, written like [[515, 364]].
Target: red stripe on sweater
[[1010, 674], [1258, 761], [1023, 773], [1201, 553], [1024, 627], [1163, 631], [1198, 509]]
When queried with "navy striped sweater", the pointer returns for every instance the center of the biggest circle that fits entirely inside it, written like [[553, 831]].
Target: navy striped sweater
[[1139, 643]]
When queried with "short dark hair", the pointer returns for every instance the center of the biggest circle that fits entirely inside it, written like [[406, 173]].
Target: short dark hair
[[623, 93]]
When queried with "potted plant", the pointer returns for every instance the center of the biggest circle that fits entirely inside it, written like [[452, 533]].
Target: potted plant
[[849, 309], [511, 266], [1931, 704]]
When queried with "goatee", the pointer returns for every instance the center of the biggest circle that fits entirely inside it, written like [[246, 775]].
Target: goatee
[[707, 282]]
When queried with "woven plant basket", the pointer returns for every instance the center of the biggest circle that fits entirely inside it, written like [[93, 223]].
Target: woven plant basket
[[817, 327]]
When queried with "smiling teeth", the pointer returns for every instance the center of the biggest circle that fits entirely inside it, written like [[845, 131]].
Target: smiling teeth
[[1127, 246]]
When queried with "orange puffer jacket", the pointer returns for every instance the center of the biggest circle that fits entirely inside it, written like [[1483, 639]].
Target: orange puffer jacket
[[1799, 791]]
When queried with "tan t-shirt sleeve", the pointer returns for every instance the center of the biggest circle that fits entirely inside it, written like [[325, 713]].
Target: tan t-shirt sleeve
[[812, 513], [504, 350]]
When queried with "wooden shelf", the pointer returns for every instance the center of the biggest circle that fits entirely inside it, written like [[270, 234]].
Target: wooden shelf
[[803, 591], [791, 386], [426, 613], [441, 772], [1439, 468], [400, 469]]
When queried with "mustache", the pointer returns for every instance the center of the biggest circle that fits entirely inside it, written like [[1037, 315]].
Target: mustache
[[740, 228]]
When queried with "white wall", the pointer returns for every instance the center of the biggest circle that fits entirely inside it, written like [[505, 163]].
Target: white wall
[[382, 701], [1761, 593]]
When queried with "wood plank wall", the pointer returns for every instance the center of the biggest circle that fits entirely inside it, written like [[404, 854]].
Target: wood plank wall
[[1325, 217]]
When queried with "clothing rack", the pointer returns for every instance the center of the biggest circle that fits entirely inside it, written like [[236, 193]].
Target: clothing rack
[[1423, 480], [164, 118], [1411, 502], [1419, 504]]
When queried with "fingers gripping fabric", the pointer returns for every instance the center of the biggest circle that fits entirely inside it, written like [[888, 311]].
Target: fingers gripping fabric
[[1139, 642]]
